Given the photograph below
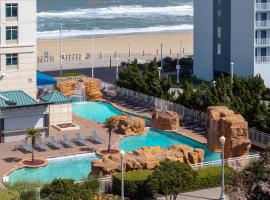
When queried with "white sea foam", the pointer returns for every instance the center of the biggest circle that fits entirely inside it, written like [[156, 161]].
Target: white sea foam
[[120, 11], [82, 33]]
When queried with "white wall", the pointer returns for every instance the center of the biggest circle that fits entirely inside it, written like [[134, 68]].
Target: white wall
[[242, 36], [203, 39], [264, 71], [23, 118]]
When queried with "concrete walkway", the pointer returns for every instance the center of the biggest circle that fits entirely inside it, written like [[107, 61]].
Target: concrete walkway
[[207, 194]]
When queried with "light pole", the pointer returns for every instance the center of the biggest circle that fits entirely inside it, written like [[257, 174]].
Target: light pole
[[180, 48], [122, 174], [116, 75], [129, 51], [61, 49], [232, 65], [161, 56], [222, 140], [177, 70], [159, 72], [93, 57]]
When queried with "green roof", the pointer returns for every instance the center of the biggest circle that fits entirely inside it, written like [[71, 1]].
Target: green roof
[[55, 97], [17, 98]]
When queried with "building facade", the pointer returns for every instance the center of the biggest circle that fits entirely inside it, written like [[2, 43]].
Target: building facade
[[18, 46], [235, 31]]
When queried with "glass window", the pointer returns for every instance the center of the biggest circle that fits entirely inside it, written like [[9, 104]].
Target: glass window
[[11, 10], [219, 49], [11, 33], [12, 59]]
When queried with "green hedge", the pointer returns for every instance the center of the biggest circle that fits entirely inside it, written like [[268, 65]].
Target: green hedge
[[211, 177], [71, 74], [135, 183]]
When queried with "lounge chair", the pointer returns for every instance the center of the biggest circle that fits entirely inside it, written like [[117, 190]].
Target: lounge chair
[[25, 146], [94, 137], [40, 144], [66, 141], [54, 143], [78, 138]]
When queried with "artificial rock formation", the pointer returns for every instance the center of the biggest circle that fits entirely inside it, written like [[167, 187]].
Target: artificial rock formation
[[165, 119], [223, 121], [146, 158], [129, 125], [91, 87], [66, 87]]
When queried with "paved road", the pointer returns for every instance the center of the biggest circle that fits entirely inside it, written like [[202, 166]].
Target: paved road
[[104, 73], [207, 194]]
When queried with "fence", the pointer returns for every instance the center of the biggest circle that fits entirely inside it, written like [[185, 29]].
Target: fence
[[257, 138]]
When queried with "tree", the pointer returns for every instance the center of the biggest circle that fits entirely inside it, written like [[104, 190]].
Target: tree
[[111, 124], [32, 135], [171, 178]]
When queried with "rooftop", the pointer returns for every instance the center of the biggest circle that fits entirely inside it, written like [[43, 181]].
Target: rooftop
[[55, 97], [16, 98]]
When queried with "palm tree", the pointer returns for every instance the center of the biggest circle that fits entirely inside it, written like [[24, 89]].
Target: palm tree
[[111, 124], [32, 135]]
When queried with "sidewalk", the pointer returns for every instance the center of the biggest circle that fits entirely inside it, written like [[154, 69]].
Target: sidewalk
[[206, 194]]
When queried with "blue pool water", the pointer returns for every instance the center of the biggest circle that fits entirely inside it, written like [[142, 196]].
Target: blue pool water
[[164, 139], [97, 111], [74, 167]]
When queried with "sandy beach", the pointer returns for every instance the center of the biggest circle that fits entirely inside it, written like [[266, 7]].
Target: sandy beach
[[147, 43]]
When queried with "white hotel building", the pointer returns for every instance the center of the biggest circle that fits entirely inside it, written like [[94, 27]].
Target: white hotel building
[[235, 31], [19, 107]]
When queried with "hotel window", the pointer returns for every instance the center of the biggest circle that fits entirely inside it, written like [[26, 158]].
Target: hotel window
[[219, 49], [12, 61], [11, 10], [219, 32], [11, 33]]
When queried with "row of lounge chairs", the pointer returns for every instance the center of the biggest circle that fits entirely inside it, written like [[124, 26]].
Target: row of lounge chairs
[[65, 142]]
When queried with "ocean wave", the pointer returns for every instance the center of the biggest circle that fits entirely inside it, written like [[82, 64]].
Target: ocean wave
[[120, 11], [98, 32]]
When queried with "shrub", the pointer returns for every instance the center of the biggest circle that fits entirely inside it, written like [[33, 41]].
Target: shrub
[[67, 189], [171, 178], [211, 177], [72, 74], [6, 194], [135, 183], [26, 190]]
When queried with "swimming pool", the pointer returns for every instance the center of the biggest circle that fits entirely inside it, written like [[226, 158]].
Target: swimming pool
[[76, 167], [98, 111], [164, 139]]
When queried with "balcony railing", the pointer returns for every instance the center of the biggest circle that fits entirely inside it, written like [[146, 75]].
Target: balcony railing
[[262, 41], [262, 59], [263, 6], [263, 24]]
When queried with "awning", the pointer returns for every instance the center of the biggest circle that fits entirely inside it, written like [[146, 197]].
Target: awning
[[44, 79]]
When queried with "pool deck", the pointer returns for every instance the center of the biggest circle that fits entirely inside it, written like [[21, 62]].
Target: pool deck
[[10, 156]]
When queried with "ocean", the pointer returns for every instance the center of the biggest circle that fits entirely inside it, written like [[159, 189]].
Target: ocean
[[82, 18]]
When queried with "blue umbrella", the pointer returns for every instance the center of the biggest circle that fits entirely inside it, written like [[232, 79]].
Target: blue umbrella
[[44, 79]]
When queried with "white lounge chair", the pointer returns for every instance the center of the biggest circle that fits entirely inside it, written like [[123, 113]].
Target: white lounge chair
[[78, 138], [94, 137], [54, 143], [26, 146], [41, 145], [66, 141]]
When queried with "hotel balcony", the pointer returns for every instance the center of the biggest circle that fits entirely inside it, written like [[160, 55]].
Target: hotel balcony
[[262, 59], [263, 24], [263, 6], [262, 42]]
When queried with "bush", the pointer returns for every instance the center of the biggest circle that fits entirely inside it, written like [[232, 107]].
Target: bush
[[135, 183], [67, 189], [26, 190], [72, 74], [6, 194], [171, 178], [211, 177]]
